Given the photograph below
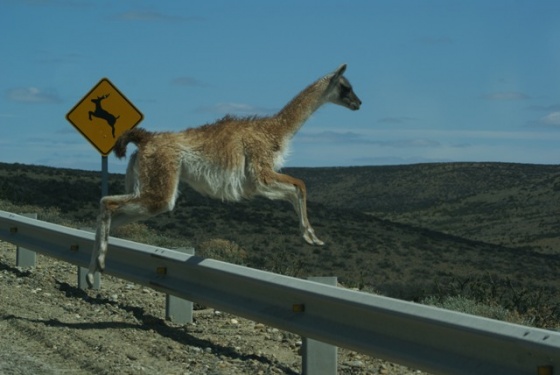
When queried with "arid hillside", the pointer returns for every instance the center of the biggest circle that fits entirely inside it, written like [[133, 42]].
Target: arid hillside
[[488, 231]]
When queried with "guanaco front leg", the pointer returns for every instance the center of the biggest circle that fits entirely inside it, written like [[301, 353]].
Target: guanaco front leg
[[280, 186]]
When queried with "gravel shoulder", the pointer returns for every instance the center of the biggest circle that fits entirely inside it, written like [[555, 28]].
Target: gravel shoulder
[[49, 326]]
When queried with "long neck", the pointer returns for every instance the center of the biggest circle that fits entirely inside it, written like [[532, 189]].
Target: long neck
[[299, 109]]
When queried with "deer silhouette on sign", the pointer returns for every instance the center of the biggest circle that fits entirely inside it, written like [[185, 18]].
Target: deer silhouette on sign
[[99, 112]]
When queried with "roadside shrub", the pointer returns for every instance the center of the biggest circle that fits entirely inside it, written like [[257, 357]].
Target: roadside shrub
[[285, 263], [532, 303], [224, 250], [469, 306], [49, 214], [140, 232]]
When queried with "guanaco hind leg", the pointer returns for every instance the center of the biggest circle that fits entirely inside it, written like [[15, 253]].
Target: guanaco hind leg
[[119, 210]]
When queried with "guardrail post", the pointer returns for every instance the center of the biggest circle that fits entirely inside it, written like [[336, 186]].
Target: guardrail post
[[179, 310], [83, 271], [25, 257], [319, 358]]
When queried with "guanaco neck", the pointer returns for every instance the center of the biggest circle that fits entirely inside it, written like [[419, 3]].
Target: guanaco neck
[[291, 118]]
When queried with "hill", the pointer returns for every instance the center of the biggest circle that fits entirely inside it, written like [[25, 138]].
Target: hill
[[485, 230], [506, 204]]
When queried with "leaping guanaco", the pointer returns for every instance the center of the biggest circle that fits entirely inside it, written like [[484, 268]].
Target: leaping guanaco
[[231, 159]]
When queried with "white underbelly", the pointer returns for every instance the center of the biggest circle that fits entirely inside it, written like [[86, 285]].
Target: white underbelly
[[227, 185]]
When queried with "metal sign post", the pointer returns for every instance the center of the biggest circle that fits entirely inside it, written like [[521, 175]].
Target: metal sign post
[[104, 176]]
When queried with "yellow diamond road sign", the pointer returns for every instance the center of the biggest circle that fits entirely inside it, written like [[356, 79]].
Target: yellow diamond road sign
[[103, 115]]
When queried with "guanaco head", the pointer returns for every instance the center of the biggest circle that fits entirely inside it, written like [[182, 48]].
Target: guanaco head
[[340, 90]]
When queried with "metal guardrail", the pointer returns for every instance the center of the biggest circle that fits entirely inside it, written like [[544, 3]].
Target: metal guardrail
[[418, 336]]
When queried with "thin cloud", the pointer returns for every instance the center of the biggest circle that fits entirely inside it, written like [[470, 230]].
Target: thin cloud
[[357, 138], [396, 120], [491, 135], [330, 136], [32, 95], [409, 143], [66, 140], [66, 130], [59, 3], [59, 59], [551, 120], [188, 81], [506, 96], [546, 108], [234, 108], [153, 16], [434, 40]]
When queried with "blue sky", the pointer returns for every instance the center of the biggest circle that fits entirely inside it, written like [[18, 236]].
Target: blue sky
[[440, 81]]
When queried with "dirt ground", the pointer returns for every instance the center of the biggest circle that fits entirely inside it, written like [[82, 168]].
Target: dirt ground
[[49, 326]]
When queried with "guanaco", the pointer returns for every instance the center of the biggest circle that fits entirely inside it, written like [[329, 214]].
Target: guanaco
[[231, 159]]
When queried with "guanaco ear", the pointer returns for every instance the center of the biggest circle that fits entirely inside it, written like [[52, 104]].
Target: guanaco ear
[[339, 71]]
